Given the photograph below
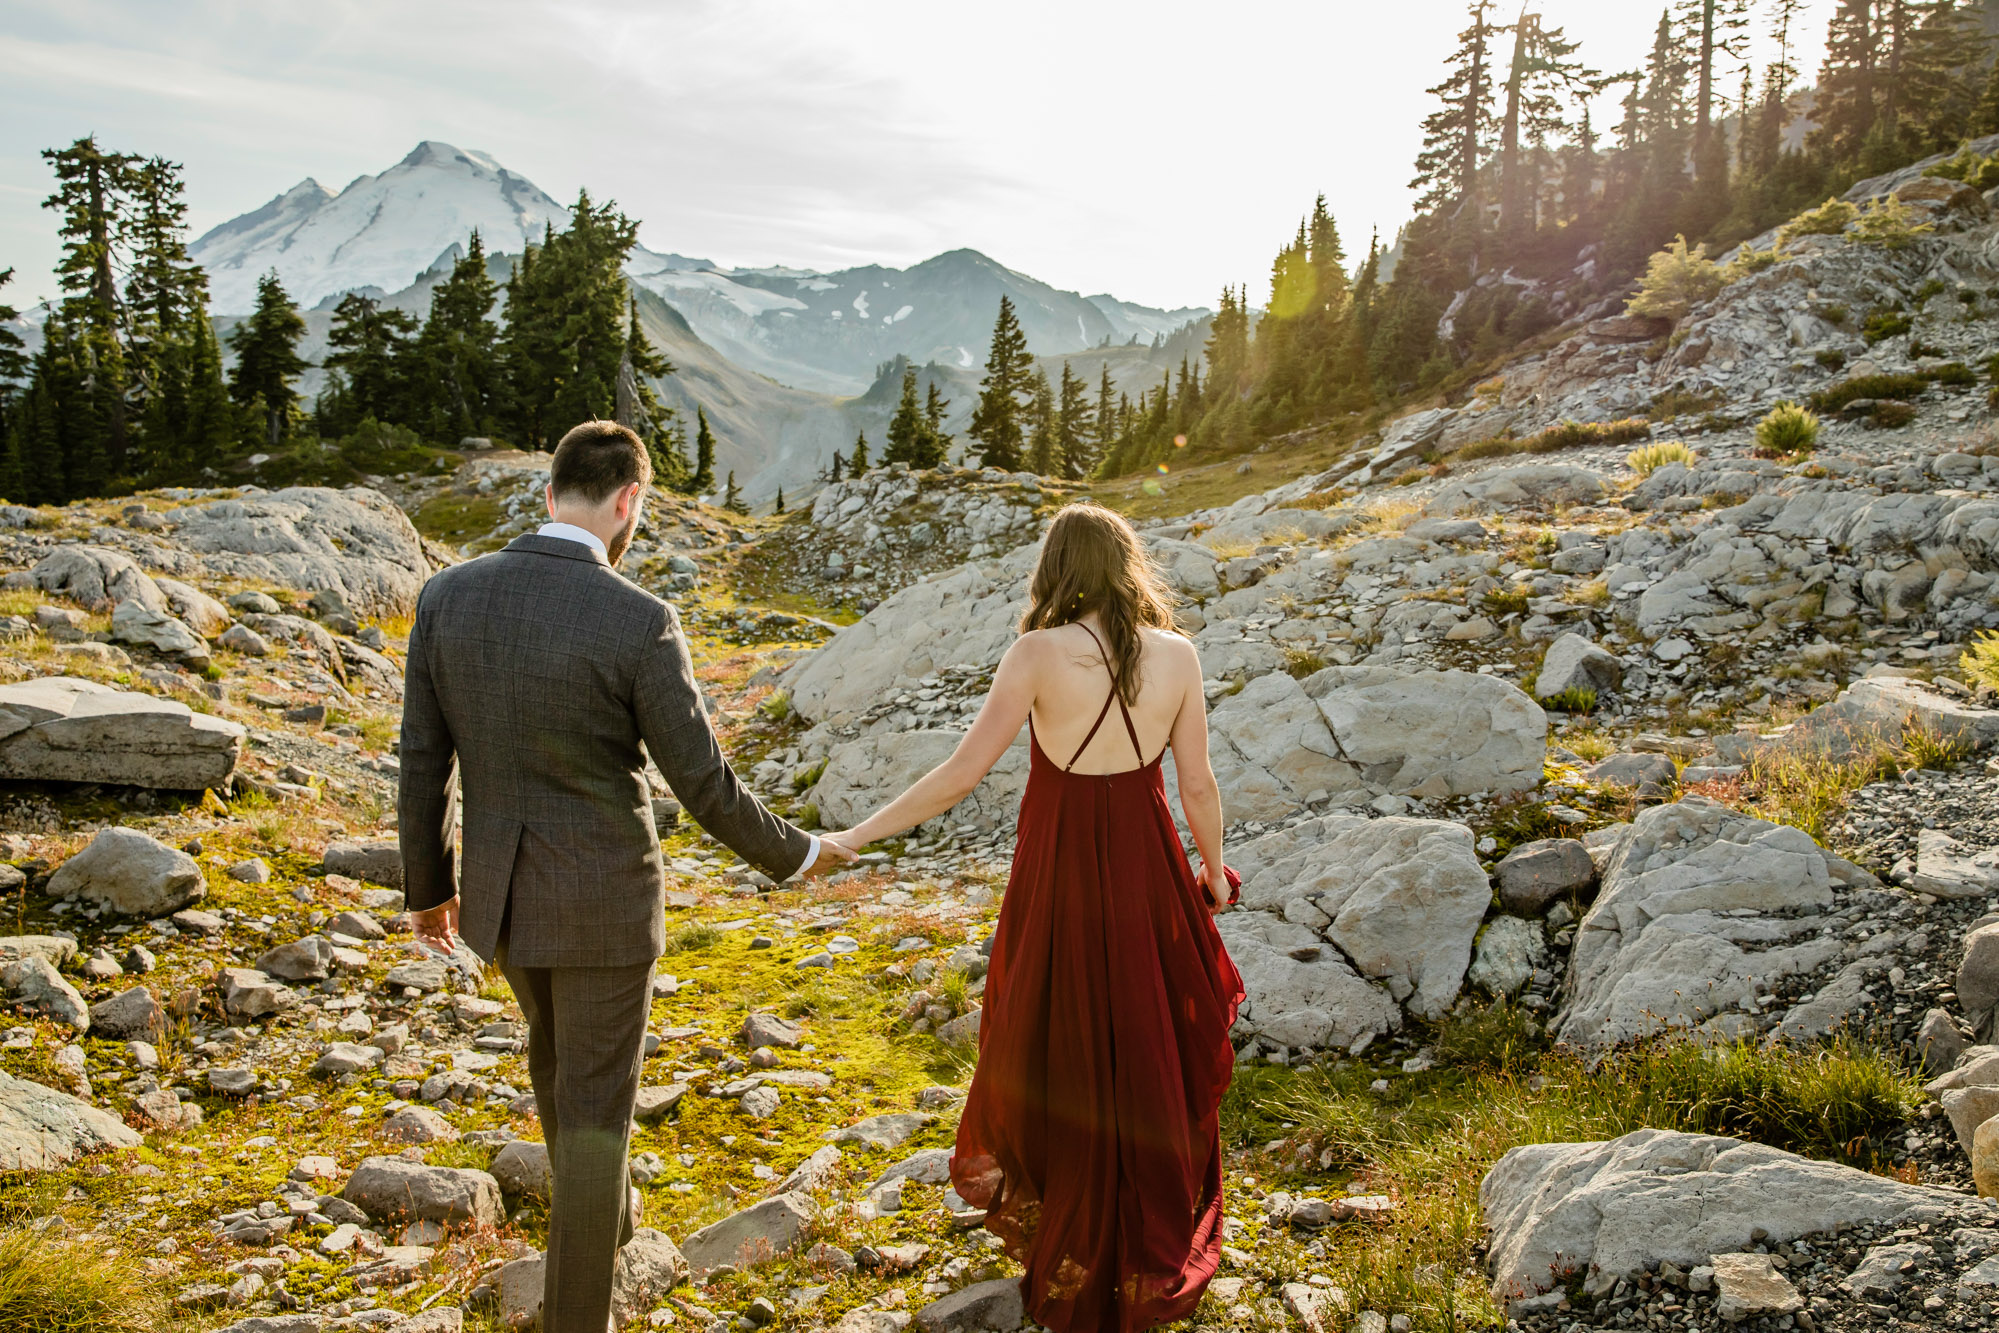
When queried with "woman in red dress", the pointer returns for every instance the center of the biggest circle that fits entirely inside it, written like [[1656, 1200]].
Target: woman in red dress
[[1089, 1135]]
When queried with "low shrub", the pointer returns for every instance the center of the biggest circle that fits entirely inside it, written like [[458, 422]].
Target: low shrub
[[54, 1285], [1302, 662], [1572, 700], [1835, 396], [1574, 434], [1885, 324], [1506, 601], [1890, 224], [1926, 747], [1651, 457], [1789, 430], [1955, 375], [1676, 280], [1892, 415], [1832, 358], [1829, 219], [1981, 173], [1980, 660], [1496, 446], [1678, 402], [692, 936], [1749, 262]]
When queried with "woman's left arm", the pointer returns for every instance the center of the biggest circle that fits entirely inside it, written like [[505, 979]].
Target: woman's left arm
[[999, 722]]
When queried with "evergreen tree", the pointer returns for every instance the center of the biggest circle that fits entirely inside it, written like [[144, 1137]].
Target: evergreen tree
[[1541, 76], [369, 346], [857, 462], [1458, 135], [93, 196], [934, 404], [996, 422], [912, 439], [268, 360], [13, 369], [1942, 77], [1846, 107], [456, 391], [1105, 417], [703, 480], [639, 408], [165, 290], [836, 469], [1041, 426], [779, 507], [1074, 427], [189, 423], [732, 497]]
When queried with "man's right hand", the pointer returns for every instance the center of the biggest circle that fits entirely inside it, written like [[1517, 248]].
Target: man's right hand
[[832, 856]]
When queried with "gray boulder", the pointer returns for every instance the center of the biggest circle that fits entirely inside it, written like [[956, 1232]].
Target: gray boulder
[[761, 1029], [648, 1267], [307, 959], [97, 577], [373, 861], [128, 1015], [861, 775], [1951, 869], [1509, 950], [1878, 709], [355, 541], [61, 729], [1574, 663], [131, 874], [55, 950], [44, 1130], [1602, 1211], [891, 1130], [248, 993], [1633, 770], [523, 1168], [1401, 898], [761, 1232], [35, 984], [397, 1190], [1534, 874], [195, 608], [983, 1305], [1299, 992], [1699, 906], [142, 627]]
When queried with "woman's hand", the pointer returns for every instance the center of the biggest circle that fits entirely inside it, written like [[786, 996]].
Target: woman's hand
[[1216, 884], [844, 837]]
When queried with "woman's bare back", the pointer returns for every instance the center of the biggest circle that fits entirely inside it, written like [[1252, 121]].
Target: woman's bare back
[[1073, 683]]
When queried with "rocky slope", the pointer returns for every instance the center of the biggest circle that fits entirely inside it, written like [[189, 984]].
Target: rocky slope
[[1531, 739]]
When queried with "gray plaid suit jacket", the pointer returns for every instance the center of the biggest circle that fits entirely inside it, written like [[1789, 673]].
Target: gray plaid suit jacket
[[541, 670]]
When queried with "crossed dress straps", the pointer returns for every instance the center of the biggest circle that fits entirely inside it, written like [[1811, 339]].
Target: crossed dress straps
[[1116, 698]]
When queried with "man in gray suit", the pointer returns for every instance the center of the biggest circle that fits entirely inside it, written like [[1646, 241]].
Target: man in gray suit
[[543, 673]]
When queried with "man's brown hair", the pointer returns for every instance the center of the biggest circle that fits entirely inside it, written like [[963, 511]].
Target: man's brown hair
[[597, 459]]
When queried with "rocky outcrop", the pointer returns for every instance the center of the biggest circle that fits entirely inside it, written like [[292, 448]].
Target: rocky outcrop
[[1281, 743], [95, 577], [1603, 1211], [1700, 910], [761, 1232], [863, 774], [355, 542], [1345, 921], [62, 729], [42, 1129]]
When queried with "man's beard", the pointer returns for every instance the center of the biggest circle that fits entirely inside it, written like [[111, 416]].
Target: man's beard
[[623, 541]]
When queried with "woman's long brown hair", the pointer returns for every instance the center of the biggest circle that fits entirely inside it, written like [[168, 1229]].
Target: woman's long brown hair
[[1091, 560]]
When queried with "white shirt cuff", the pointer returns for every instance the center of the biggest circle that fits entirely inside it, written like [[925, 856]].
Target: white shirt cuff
[[811, 855]]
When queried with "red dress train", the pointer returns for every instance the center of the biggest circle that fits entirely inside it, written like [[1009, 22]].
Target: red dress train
[[1090, 1134]]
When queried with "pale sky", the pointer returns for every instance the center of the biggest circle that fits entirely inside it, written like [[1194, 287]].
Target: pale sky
[[1154, 151]]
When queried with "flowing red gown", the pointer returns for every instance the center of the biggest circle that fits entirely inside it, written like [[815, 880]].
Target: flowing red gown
[[1090, 1135]]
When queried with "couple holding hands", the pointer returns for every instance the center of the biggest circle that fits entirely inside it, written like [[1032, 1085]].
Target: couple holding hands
[[538, 681]]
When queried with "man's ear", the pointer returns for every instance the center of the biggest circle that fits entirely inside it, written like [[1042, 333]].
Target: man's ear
[[548, 498]]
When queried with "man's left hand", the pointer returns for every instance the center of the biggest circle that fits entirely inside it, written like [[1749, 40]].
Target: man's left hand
[[437, 927]]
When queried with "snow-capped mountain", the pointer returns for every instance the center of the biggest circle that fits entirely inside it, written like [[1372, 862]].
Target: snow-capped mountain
[[829, 331], [380, 232], [822, 332]]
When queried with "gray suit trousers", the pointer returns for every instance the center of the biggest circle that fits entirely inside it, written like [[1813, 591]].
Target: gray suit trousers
[[586, 1042]]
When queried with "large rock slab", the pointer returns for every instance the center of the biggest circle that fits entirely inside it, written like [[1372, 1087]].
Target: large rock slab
[[355, 542], [648, 1266], [42, 1129], [1401, 898], [1876, 710], [399, 1190], [141, 626], [761, 1232], [371, 860], [1280, 742], [1574, 663], [61, 729], [1298, 991], [994, 1305], [34, 983], [94, 576], [1605, 1210], [1698, 906], [131, 874], [863, 775]]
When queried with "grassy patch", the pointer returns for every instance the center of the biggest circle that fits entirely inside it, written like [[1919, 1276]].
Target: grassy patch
[[1980, 661], [456, 519], [1649, 458], [50, 1284], [1834, 397], [1573, 700], [1788, 431], [1574, 434]]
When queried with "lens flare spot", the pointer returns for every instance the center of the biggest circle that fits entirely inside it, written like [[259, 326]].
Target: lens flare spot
[[1179, 441], [1152, 488], [1163, 469]]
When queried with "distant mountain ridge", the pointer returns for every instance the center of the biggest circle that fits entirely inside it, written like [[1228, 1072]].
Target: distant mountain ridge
[[822, 332]]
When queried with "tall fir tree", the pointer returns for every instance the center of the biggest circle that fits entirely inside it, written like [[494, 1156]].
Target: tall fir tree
[[703, 480], [858, 462], [1041, 425], [640, 409], [1075, 427], [368, 347], [732, 496], [268, 362], [1105, 418], [1457, 136], [456, 390], [912, 439], [997, 420], [93, 198]]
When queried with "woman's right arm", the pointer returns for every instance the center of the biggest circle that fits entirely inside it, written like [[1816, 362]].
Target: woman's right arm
[[1200, 795]]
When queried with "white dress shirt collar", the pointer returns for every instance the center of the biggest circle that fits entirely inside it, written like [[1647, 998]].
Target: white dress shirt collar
[[569, 532]]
